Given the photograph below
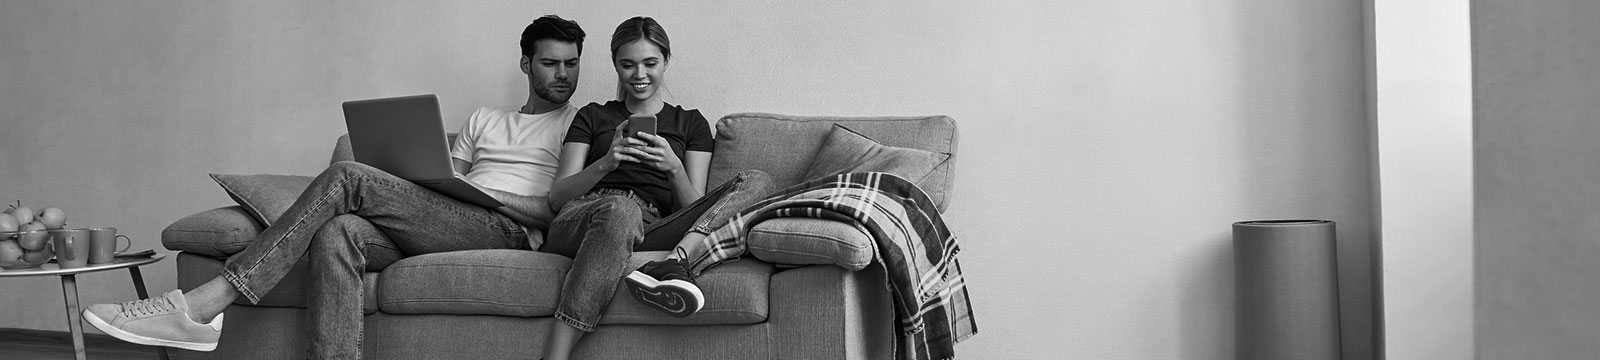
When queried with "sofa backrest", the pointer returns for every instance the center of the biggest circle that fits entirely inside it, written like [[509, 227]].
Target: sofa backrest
[[783, 145], [341, 150]]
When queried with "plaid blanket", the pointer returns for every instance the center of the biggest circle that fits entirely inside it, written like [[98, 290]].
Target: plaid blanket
[[912, 243]]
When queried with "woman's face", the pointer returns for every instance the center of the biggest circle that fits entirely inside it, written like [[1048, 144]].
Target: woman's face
[[640, 69]]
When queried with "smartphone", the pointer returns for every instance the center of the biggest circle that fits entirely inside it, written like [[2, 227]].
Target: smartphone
[[641, 124]]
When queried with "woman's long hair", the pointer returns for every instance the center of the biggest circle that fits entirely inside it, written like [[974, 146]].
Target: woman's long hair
[[633, 29]]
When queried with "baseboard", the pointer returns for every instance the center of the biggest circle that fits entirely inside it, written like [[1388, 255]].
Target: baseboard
[[96, 341]]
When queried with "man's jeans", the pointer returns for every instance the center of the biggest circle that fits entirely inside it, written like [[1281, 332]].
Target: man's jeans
[[601, 230], [347, 206]]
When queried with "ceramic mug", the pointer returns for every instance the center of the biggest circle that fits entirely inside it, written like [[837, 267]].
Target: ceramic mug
[[72, 247], [103, 244]]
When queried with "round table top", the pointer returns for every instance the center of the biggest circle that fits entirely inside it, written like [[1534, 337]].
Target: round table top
[[52, 268]]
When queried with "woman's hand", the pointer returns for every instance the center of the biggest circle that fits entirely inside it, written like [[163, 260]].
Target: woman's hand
[[658, 154], [623, 148]]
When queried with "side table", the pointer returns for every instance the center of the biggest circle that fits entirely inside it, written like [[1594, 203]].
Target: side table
[[69, 288]]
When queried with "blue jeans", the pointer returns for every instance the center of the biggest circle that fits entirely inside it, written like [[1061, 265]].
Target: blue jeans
[[348, 207], [601, 230]]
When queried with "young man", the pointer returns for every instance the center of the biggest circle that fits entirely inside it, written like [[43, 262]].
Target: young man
[[511, 152]]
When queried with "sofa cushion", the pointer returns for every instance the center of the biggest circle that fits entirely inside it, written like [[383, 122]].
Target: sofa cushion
[[528, 284], [808, 241], [736, 293], [783, 145], [194, 269], [846, 151], [224, 231], [486, 282], [217, 232], [263, 196]]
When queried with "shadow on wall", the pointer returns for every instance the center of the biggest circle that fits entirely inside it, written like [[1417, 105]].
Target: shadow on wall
[[1205, 316], [1303, 138]]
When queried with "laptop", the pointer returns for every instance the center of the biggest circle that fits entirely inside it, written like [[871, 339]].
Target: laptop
[[405, 136]]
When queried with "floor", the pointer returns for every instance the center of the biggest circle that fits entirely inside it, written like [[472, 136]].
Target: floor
[[50, 345]]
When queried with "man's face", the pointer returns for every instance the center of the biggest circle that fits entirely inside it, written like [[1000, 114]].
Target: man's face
[[553, 70]]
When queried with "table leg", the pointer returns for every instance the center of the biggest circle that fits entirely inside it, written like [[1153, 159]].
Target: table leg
[[138, 286], [69, 288], [138, 282]]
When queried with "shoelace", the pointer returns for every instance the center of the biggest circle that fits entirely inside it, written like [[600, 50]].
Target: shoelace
[[683, 259], [138, 308], [681, 270]]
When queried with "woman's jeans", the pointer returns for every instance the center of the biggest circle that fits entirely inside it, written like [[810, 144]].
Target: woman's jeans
[[348, 207], [601, 230]]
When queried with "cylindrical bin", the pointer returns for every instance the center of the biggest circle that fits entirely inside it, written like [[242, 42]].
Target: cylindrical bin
[[1288, 295]]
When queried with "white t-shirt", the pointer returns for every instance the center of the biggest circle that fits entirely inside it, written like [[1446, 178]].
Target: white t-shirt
[[514, 152]]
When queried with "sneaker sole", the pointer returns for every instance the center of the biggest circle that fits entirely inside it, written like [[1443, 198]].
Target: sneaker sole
[[674, 297], [141, 340]]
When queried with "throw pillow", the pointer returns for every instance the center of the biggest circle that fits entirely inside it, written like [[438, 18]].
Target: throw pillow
[[264, 196], [846, 151], [809, 241]]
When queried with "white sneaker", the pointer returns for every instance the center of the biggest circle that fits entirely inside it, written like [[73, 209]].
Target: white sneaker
[[158, 321]]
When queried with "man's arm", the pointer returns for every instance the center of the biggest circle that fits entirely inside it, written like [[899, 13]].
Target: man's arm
[[531, 211]]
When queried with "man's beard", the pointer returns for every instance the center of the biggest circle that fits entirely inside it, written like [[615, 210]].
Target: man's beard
[[543, 92]]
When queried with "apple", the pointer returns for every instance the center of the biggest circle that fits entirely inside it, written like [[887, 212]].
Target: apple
[[9, 223], [37, 256], [23, 213], [10, 253], [52, 218], [35, 239]]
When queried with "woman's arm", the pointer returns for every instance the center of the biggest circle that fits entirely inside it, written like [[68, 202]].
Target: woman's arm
[[688, 175], [690, 184], [573, 179]]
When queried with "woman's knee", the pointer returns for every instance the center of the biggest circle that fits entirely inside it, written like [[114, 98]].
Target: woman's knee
[[615, 207], [607, 210]]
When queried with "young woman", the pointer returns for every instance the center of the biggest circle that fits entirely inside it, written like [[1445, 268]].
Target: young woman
[[619, 191]]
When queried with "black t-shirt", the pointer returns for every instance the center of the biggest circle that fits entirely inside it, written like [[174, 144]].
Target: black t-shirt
[[596, 124]]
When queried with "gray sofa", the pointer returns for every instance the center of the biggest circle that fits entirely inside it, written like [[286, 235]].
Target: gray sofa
[[496, 304]]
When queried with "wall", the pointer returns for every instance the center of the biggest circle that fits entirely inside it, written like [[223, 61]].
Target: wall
[[1106, 145], [1422, 86], [1536, 81]]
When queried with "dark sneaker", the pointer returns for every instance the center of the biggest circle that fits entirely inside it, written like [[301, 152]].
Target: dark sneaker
[[666, 286], [158, 321]]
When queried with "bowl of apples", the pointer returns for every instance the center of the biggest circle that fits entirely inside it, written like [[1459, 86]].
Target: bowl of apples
[[27, 249], [23, 240]]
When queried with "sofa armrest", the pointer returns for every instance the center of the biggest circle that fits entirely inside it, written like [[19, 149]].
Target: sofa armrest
[[219, 232], [810, 241], [826, 312]]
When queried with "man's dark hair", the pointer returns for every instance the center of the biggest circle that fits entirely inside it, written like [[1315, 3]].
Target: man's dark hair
[[551, 27]]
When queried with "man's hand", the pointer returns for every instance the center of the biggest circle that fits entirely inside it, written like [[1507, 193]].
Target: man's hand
[[530, 211]]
